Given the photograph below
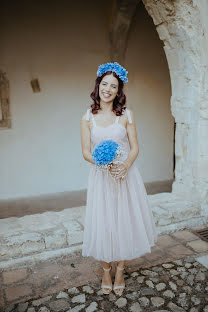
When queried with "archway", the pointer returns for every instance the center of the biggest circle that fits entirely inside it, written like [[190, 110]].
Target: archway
[[180, 27]]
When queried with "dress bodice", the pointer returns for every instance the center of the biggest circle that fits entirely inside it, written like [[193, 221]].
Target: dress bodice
[[115, 131]]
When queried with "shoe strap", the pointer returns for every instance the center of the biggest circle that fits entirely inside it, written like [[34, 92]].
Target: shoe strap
[[107, 269], [118, 287], [106, 286], [120, 268]]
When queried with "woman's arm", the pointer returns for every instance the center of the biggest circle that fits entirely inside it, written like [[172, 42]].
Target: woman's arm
[[85, 139], [121, 170], [133, 141]]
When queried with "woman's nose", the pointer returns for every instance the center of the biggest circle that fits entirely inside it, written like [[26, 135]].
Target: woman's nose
[[107, 88]]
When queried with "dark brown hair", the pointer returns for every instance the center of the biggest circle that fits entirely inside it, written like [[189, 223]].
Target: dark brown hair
[[118, 102]]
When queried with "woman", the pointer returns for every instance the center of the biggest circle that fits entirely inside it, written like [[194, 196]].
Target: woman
[[119, 224]]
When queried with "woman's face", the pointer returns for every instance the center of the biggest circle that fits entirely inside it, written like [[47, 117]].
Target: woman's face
[[108, 88]]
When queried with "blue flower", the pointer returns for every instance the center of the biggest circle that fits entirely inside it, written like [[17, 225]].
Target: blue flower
[[115, 67], [105, 152]]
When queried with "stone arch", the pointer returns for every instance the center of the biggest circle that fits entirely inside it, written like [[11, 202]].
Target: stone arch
[[180, 27]]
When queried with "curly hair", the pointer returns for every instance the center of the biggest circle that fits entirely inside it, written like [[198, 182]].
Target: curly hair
[[118, 102]]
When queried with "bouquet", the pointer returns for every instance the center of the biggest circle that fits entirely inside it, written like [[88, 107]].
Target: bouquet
[[106, 154]]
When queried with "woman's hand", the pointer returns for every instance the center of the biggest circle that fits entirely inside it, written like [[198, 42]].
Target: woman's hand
[[119, 171]]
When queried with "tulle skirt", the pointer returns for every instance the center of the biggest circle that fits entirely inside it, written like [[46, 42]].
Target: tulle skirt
[[119, 224]]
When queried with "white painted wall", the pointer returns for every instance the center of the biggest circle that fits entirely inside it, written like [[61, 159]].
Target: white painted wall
[[62, 46]]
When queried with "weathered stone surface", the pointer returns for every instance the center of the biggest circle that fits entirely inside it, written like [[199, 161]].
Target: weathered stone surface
[[62, 294], [92, 307], [56, 238], [173, 285], [167, 265], [170, 292], [73, 290], [195, 300], [150, 284], [157, 301], [149, 273], [140, 279], [121, 302], [198, 245], [77, 308], [144, 301], [22, 307], [135, 307], [20, 245], [132, 295], [31, 310], [79, 298], [147, 291], [88, 289], [40, 301], [43, 309], [175, 308], [59, 305], [160, 286]]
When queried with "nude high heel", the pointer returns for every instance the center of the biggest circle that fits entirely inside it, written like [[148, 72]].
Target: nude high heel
[[120, 287], [106, 292]]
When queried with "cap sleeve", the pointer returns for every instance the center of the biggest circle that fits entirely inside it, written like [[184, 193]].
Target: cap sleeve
[[128, 115], [88, 114]]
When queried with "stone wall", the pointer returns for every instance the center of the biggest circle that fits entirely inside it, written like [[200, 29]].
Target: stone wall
[[182, 27]]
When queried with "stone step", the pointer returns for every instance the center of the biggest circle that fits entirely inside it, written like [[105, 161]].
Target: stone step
[[32, 234], [56, 231]]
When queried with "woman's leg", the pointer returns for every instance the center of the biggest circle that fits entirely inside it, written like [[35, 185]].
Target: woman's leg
[[106, 279], [119, 278]]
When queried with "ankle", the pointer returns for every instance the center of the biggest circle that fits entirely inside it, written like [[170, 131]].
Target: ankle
[[120, 268]]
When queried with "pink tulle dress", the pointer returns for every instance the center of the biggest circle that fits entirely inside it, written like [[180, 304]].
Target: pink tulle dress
[[119, 224]]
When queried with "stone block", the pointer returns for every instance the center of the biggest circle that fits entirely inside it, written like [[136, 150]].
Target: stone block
[[153, 11], [163, 32], [166, 241], [74, 232], [56, 238], [184, 236], [14, 276], [203, 260], [16, 292], [75, 237], [162, 220], [185, 212], [179, 251], [198, 245], [19, 245]]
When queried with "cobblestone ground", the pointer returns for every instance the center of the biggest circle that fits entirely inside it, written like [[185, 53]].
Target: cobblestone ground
[[173, 277], [176, 286]]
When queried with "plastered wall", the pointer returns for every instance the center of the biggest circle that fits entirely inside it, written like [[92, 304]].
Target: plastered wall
[[62, 45]]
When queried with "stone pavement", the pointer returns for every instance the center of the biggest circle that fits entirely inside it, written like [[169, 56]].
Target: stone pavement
[[173, 277]]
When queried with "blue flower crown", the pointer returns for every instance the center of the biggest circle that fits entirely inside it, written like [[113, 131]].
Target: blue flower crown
[[115, 67]]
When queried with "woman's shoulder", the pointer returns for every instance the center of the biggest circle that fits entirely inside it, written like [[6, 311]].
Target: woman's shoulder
[[128, 113], [86, 115]]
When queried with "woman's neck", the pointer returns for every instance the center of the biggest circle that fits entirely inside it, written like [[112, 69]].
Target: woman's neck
[[106, 107]]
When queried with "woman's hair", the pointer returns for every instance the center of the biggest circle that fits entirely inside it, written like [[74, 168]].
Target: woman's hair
[[118, 102]]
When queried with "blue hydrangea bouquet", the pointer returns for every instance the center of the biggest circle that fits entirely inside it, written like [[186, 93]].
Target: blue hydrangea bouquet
[[106, 153]]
